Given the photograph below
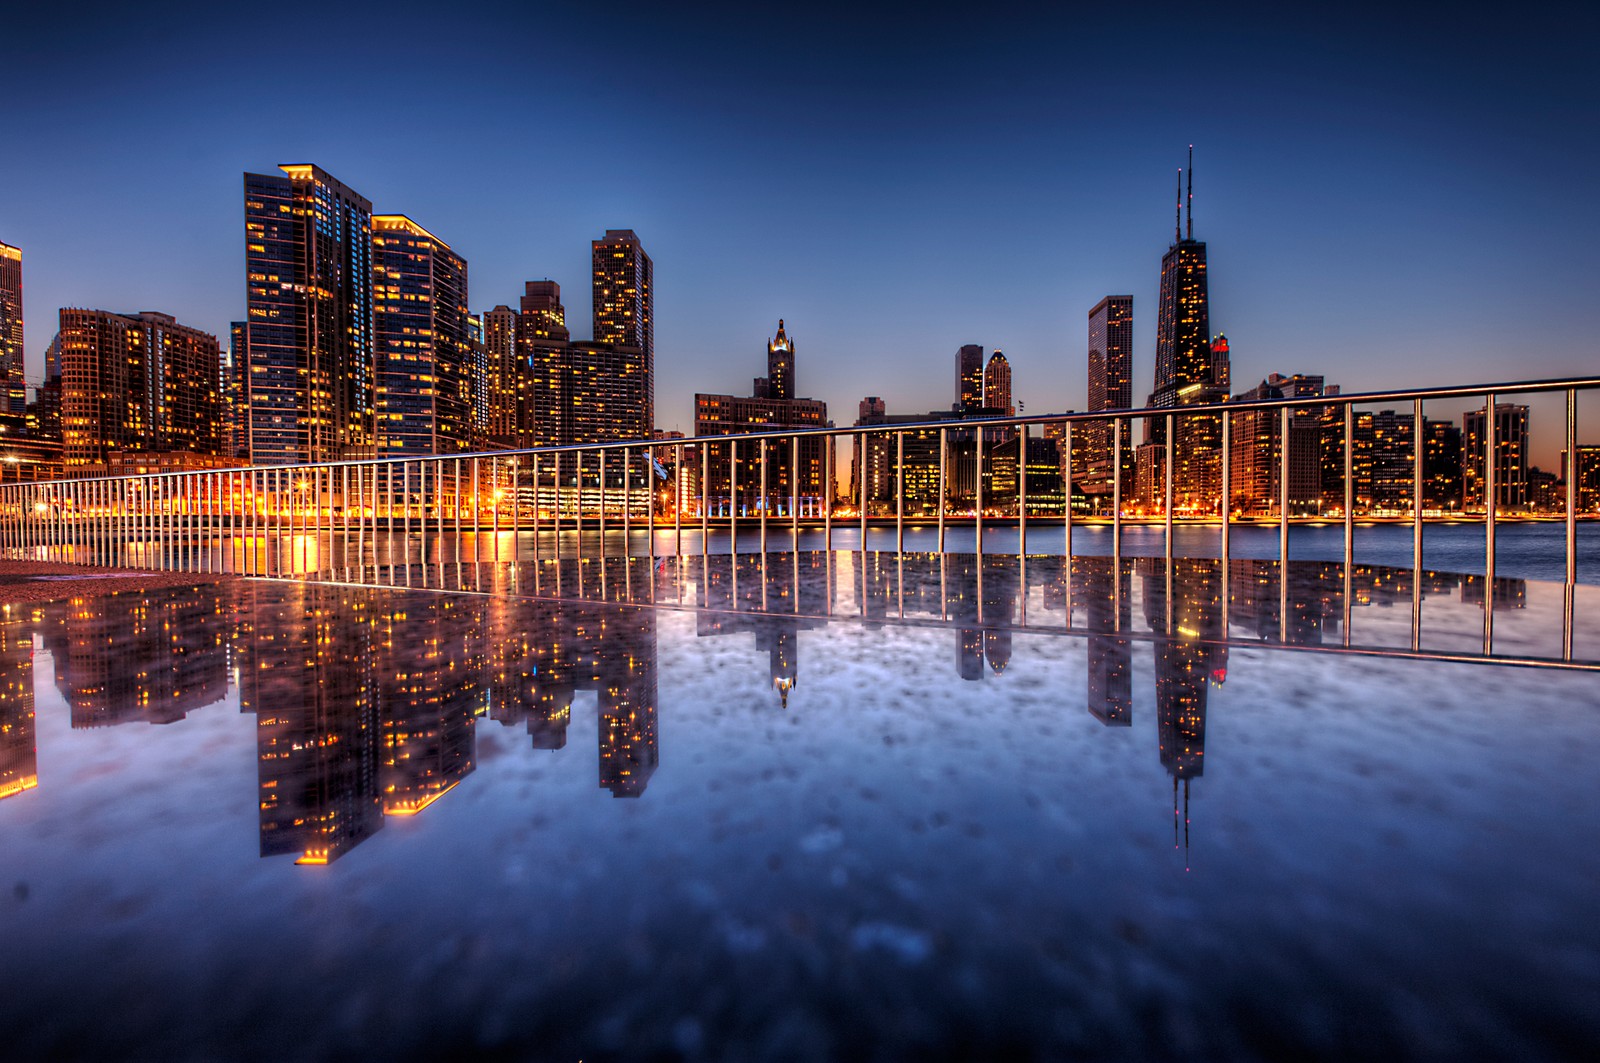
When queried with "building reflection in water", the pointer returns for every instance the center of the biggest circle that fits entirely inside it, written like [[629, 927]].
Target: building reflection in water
[[140, 658], [310, 675], [367, 701], [1106, 599], [770, 596], [544, 651], [19, 755]]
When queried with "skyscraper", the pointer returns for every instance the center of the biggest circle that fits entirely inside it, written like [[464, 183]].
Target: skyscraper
[[969, 377], [138, 383], [779, 381], [730, 414], [14, 398], [503, 377], [308, 271], [997, 385], [423, 340], [624, 306], [1110, 388], [1191, 369]]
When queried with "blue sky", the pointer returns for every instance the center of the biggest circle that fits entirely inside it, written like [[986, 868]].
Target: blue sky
[[1389, 199]]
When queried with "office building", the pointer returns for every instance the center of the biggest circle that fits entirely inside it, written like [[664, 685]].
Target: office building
[[138, 383], [1190, 370], [423, 337], [312, 361], [997, 386], [737, 415], [779, 381]]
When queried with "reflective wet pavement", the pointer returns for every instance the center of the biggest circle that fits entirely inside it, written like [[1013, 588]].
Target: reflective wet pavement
[[807, 806]]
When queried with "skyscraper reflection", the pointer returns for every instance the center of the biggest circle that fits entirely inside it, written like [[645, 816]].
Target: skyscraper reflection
[[771, 596], [135, 657], [19, 756], [310, 676], [1102, 585]]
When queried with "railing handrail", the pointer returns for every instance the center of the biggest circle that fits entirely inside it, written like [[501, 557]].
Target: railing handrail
[[1364, 398]]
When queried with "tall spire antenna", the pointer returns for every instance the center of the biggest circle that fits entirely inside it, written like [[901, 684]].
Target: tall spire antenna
[[1191, 191], [1177, 211]]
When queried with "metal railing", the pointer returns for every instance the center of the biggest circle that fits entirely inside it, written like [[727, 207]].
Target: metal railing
[[508, 505]]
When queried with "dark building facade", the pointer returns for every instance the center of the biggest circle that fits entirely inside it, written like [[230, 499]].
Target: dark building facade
[[423, 338], [1110, 388], [969, 377], [311, 378]]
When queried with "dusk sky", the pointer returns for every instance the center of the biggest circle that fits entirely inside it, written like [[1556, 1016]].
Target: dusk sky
[[1389, 199]]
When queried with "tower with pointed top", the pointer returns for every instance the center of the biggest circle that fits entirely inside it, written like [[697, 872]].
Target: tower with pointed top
[[780, 365], [1187, 371]]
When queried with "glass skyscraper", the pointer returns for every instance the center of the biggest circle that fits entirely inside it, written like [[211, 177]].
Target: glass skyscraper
[[311, 377]]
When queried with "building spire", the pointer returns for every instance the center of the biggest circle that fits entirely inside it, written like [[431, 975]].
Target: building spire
[[1177, 211], [1191, 191]]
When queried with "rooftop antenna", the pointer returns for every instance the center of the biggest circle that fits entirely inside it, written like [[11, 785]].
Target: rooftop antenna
[[1191, 191], [1177, 210]]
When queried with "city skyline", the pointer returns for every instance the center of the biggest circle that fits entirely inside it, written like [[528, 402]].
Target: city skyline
[[1355, 230]]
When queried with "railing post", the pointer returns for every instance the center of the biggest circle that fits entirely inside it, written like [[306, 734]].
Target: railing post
[[733, 503], [1418, 490], [1349, 489], [1283, 492], [764, 501], [1572, 485], [1116, 487], [861, 501], [794, 503], [705, 498], [677, 500], [1022, 494], [828, 457], [900, 493], [1489, 501], [1066, 508], [1227, 494], [944, 446], [1166, 505], [978, 508]]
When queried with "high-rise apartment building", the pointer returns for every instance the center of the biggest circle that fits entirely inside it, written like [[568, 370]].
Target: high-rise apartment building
[[1110, 388], [1510, 456], [503, 377], [308, 277], [13, 386], [139, 383], [624, 302], [1586, 468], [542, 339], [969, 377], [1257, 449], [423, 337]]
